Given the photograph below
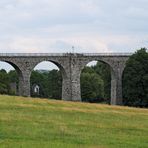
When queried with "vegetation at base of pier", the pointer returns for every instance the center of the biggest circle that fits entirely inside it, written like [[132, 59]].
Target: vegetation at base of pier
[[28, 123], [95, 82]]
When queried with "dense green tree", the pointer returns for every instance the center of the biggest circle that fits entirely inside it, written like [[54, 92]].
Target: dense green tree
[[88, 69], [13, 76], [104, 71], [135, 79], [55, 84], [91, 86], [4, 82]]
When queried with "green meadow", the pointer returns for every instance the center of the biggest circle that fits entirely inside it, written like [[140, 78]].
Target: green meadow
[[41, 123]]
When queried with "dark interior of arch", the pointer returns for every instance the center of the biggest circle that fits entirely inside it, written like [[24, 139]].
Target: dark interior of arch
[[96, 83]]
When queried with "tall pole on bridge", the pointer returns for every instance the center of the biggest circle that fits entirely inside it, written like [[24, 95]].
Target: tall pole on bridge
[[73, 49]]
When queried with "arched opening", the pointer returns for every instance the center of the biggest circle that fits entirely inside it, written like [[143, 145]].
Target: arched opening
[[10, 75], [96, 82], [46, 80]]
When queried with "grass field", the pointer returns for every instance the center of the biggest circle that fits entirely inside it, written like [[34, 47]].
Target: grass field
[[36, 123]]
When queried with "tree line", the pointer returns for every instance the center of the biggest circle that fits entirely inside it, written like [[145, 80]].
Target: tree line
[[95, 82]]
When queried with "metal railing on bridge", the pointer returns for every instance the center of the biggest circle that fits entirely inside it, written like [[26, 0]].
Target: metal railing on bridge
[[31, 54], [105, 54], [62, 54]]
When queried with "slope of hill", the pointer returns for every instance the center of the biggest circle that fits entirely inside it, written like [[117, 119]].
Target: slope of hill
[[38, 123]]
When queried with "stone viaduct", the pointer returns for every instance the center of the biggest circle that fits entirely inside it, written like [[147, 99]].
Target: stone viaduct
[[70, 65]]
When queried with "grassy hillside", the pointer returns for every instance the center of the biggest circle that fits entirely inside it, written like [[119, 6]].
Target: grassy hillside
[[35, 123]]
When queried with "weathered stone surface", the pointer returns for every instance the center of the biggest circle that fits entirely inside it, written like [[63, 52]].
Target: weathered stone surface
[[70, 66]]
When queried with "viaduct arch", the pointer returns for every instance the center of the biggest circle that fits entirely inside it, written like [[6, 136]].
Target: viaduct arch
[[70, 65]]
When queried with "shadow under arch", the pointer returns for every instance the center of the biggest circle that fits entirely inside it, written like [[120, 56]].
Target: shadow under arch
[[106, 73], [19, 74], [61, 71]]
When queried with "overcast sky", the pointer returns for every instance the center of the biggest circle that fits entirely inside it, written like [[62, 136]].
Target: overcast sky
[[57, 25]]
